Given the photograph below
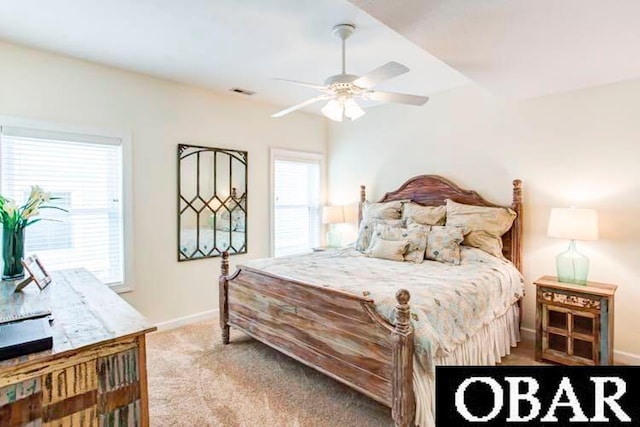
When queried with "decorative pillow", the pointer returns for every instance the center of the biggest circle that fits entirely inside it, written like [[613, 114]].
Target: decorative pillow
[[425, 215], [416, 226], [486, 225], [443, 244], [388, 249], [386, 210], [416, 236], [366, 231]]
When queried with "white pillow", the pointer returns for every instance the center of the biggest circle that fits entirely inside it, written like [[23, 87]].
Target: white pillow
[[389, 249], [485, 225], [424, 215], [415, 236], [385, 210], [367, 228]]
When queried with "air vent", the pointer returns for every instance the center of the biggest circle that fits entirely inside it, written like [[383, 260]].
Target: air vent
[[242, 91]]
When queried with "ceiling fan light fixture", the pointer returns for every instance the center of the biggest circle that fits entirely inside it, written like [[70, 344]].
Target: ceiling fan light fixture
[[333, 110], [352, 110], [343, 88]]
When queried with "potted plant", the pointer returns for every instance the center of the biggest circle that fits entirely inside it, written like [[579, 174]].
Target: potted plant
[[14, 220]]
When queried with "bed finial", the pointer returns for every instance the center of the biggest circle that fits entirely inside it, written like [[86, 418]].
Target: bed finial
[[403, 312], [517, 191]]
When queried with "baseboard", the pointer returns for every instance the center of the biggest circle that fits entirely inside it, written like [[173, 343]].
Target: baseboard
[[528, 334], [624, 358], [619, 357], [185, 320]]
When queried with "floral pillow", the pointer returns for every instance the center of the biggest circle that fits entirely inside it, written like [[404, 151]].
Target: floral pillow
[[416, 237], [392, 250], [367, 226], [443, 244], [425, 215], [385, 210], [486, 225]]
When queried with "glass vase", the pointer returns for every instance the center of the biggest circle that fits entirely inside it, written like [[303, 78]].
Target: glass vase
[[12, 253], [572, 266]]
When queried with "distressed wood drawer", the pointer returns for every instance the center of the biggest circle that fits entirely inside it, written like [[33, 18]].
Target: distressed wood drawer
[[571, 299]]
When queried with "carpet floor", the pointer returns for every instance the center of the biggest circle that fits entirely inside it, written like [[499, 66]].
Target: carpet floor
[[196, 381]]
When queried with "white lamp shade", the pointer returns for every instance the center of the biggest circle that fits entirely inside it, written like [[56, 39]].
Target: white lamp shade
[[351, 213], [352, 110], [333, 215], [333, 110], [573, 224]]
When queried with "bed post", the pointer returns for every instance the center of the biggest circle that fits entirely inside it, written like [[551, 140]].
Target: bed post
[[403, 407], [363, 198], [223, 297], [516, 234]]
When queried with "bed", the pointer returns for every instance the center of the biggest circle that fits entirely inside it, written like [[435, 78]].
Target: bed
[[346, 333]]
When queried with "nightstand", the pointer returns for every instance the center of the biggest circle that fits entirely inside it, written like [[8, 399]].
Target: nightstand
[[574, 323]]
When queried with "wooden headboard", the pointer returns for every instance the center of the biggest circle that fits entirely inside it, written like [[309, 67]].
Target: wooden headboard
[[433, 190]]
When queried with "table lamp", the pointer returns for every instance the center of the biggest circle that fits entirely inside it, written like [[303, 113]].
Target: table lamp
[[573, 224], [333, 215]]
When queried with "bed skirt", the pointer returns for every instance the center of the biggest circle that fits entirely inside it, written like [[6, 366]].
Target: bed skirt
[[501, 334]]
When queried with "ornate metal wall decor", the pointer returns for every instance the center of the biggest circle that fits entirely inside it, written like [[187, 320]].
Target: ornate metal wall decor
[[212, 202]]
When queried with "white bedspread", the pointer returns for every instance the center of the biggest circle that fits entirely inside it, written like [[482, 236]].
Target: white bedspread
[[449, 304]]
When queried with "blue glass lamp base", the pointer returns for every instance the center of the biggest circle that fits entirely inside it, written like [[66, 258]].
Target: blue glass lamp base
[[572, 266], [334, 239]]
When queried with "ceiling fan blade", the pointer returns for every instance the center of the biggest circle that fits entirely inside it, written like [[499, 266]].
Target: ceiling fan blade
[[299, 83], [301, 105], [398, 98], [380, 74]]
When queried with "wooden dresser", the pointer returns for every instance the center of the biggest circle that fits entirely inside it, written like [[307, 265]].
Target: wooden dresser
[[95, 375]]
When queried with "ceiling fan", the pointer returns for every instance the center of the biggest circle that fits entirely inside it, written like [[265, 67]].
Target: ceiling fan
[[342, 89]]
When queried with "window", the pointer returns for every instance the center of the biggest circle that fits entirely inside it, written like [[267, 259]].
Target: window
[[296, 192], [86, 173]]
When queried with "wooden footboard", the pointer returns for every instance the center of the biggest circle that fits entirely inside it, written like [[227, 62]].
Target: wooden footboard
[[335, 332]]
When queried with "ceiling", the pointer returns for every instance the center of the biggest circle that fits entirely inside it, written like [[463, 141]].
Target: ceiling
[[514, 49], [221, 44], [523, 48]]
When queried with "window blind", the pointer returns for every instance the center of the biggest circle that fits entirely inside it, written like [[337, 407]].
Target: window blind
[[85, 172], [296, 206]]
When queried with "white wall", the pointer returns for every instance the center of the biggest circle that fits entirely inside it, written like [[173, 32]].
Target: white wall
[[159, 114], [580, 148]]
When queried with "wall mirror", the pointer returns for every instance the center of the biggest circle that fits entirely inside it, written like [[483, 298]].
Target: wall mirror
[[212, 202]]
